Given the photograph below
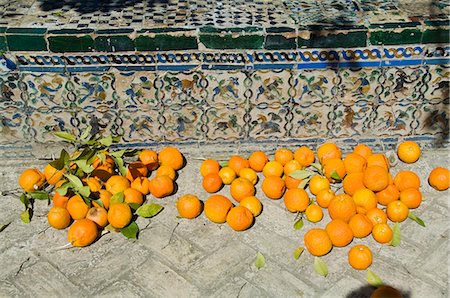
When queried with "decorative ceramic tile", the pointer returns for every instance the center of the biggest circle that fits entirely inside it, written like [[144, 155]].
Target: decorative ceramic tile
[[183, 123], [402, 85], [314, 87], [433, 119], [310, 122], [46, 91], [436, 88], [137, 126], [225, 122], [395, 120], [136, 90], [359, 84], [10, 96], [351, 119]]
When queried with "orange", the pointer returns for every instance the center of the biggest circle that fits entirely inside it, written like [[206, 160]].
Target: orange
[[141, 184], [149, 158], [209, 166], [386, 292], [59, 200], [82, 233], [241, 188], [249, 174], [161, 186], [239, 218], [439, 178], [324, 197], [31, 180], [317, 242], [133, 196], [408, 151], [406, 179], [119, 215], [253, 204], [314, 213], [58, 217], [376, 216], [317, 183], [117, 184], [257, 160], [227, 174], [296, 200], [376, 178], [291, 166], [352, 182], [104, 197], [363, 150], [328, 150], [360, 225], [365, 199], [354, 163], [103, 172], [304, 156], [136, 169], [77, 207], [292, 182], [339, 232], [98, 215], [94, 183], [273, 168], [53, 175], [411, 197], [109, 161], [217, 207], [360, 257], [334, 165], [171, 157], [189, 206], [342, 207], [237, 163], [166, 170], [382, 233], [387, 195], [273, 187], [378, 159], [283, 156], [397, 211], [212, 183]]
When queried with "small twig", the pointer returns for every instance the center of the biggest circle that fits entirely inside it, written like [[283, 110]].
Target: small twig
[[43, 231], [21, 265], [239, 293], [65, 246], [171, 235]]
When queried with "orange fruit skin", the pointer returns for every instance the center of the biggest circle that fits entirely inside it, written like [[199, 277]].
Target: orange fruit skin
[[317, 183], [189, 206], [104, 197], [363, 150], [257, 160], [354, 163], [59, 200], [31, 180], [253, 204], [133, 196], [58, 218], [328, 150], [292, 166], [360, 225], [314, 213], [77, 207], [339, 232], [119, 215], [149, 158], [136, 169], [291, 182], [376, 216], [408, 151], [239, 218], [386, 292], [166, 170], [304, 156], [382, 233], [249, 174], [296, 200], [439, 178], [324, 197], [365, 199], [406, 179], [216, 208], [82, 233], [94, 183], [237, 163], [283, 156], [117, 184], [273, 187], [360, 257], [53, 175], [387, 195], [317, 242], [141, 184], [342, 207], [212, 183], [98, 215], [273, 168], [331, 165], [397, 211], [161, 186], [241, 188], [103, 172], [209, 166], [227, 174], [352, 182], [378, 159], [171, 157], [411, 197], [376, 178]]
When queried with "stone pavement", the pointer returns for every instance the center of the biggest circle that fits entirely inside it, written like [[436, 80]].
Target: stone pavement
[[175, 257]]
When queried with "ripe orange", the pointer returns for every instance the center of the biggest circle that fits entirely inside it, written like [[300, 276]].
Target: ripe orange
[[314, 213], [109, 161], [387, 195], [249, 174], [360, 225], [171, 157], [189, 206], [408, 151], [273, 187], [239, 218], [382, 233], [212, 183], [376, 216], [376, 178], [136, 169], [241, 188], [94, 183], [339, 232], [411, 197], [133, 196], [253, 204], [209, 166], [354, 163], [237, 163], [258, 160], [104, 197], [406, 179], [378, 159], [31, 180], [53, 175], [166, 170], [273, 168], [82, 233], [119, 215], [352, 182], [98, 215], [291, 166], [304, 156], [291, 182], [117, 184], [77, 207], [217, 207], [161, 186], [59, 200], [227, 174], [103, 172], [317, 242], [58, 217], [296, 200], [324, 197], [397, 211], [334, 165], [362, 150], [386, 292], [360, 257], [317, 183], [365, 199], [283, 156], [342, 207], [149, 158], [141, 184], [328, 150], [439, 178]]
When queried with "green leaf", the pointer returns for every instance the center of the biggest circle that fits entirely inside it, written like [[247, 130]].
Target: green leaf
[[24, 199], [84, 191], [86, 154], [84, 166], [101, 156], [303, 183], [298, 224], [223, 164], [116, 139], [134, 206], [111, 228], [396, 235], [119, 153], [301, 174], [61, 162], [117, 198], [120, 165], [335, 176], [131, 230], [317, 166], [76, 182], [260, 260], [298, 252], [320, 267], [373, 279], [40, 195], [99, 202], [149, 210], [106, 141], [86, 132], [62, 190], [65, 136], [25, 216], [416, 219]]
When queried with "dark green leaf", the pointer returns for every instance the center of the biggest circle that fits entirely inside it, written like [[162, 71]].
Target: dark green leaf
[[120, 165], [25, 216], [301, 174], [86, 154], [260, 260], [396, 239], [335, 176], [116, 139], [134, 206], [298, 224], [416, 219], [76, 182], [101, 156], [298, 252], [65, 136], [373, 279], [86, 132], [106, 141], [40, 195], [24, 199], [131, 230], [84, 166], [303, 183], [62, 190], [62, 161], [117, 198], [320, 267], [149, 210]]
